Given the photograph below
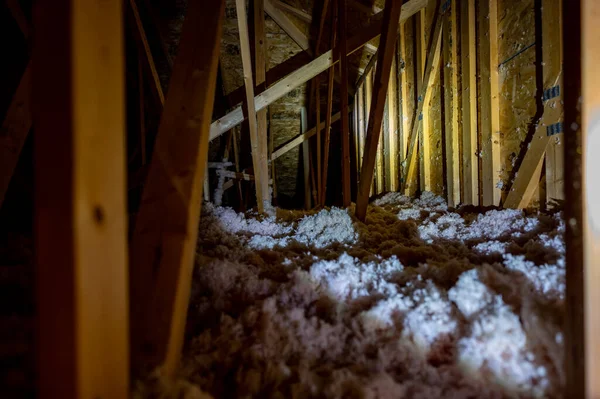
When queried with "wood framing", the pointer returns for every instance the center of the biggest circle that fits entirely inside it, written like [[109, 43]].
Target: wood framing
[[451, 104], [302, 138], [470, 188], [17, 121], [328, 115], [490, 102], [81, 223], [424, 146], [581, 32], [288, 26], [391, 144], [163, 246], [345, 129], [260, 62], [431, 68], [305, 158], [303, 16], [309, 70], [385, 57], [361, 126], [142, 42], [550, 126], [404, 114]]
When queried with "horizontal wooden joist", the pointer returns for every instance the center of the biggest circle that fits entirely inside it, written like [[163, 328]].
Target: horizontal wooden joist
[[310, 70], [302, 15]]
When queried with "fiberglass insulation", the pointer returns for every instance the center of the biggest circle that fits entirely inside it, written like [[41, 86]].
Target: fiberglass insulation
[[419, 302]]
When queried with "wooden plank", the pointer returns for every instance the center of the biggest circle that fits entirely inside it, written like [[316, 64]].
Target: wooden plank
[[404, 101], [367, 111], [382, 79], [391, 156], [309, 71], [328, 119], [17, 121], [424, 132], [361, 125], [258, 142], [260, 62], [295, 142], [17, 13], [470, 195], [345, 129], [300, 14], [80, 225], [14, 131], [163, 246], [490, 102], [451, 105], [581, 32], [552, 46], [142, 42], [528, 177], [305, 157], [431, 68], [288, 26], [379, 158]]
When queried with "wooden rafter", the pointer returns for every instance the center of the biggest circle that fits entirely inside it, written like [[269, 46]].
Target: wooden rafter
[[424, 146], [528, 176], [309, 70], [330, 83], [451, 103], [431, 68], [490, 102], [17, 121], [142, 41], [288, 26], [470, 194], [304, 16], [163, 246], [260, 61], [80, 224], [344, 130], [382, 77]]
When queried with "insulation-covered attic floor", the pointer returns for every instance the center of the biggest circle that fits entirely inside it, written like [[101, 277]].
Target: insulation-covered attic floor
[[419, 302]]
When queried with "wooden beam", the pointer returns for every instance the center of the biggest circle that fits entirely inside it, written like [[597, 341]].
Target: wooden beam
[[582, 104], [328, 121], [288, 26], [391, 135], [424, 147], [382, 78], [305, 157], [164, 239], [80, 225], [552, 46], [361, 126], [404, 101], [366, 72], [470, 195], [379, 158], [344, 130], [431, 68], [260, 62], [309, 70], [17, 13], [451, 104], [142, 42], [300, 14], [17, 121], [549, 127], [490, 102], [367, 111]]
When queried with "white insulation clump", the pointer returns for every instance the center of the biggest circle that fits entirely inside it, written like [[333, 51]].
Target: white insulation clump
[[419, 302]]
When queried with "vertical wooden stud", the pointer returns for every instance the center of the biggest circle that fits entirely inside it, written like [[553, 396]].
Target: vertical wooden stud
[[389, 35], [490, 107], [81, 238], [469, 104], [450, 60], [424, 146], [344, 131], [163, 246]]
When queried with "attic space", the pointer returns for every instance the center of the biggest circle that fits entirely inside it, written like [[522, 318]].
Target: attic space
[[371, 199]]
